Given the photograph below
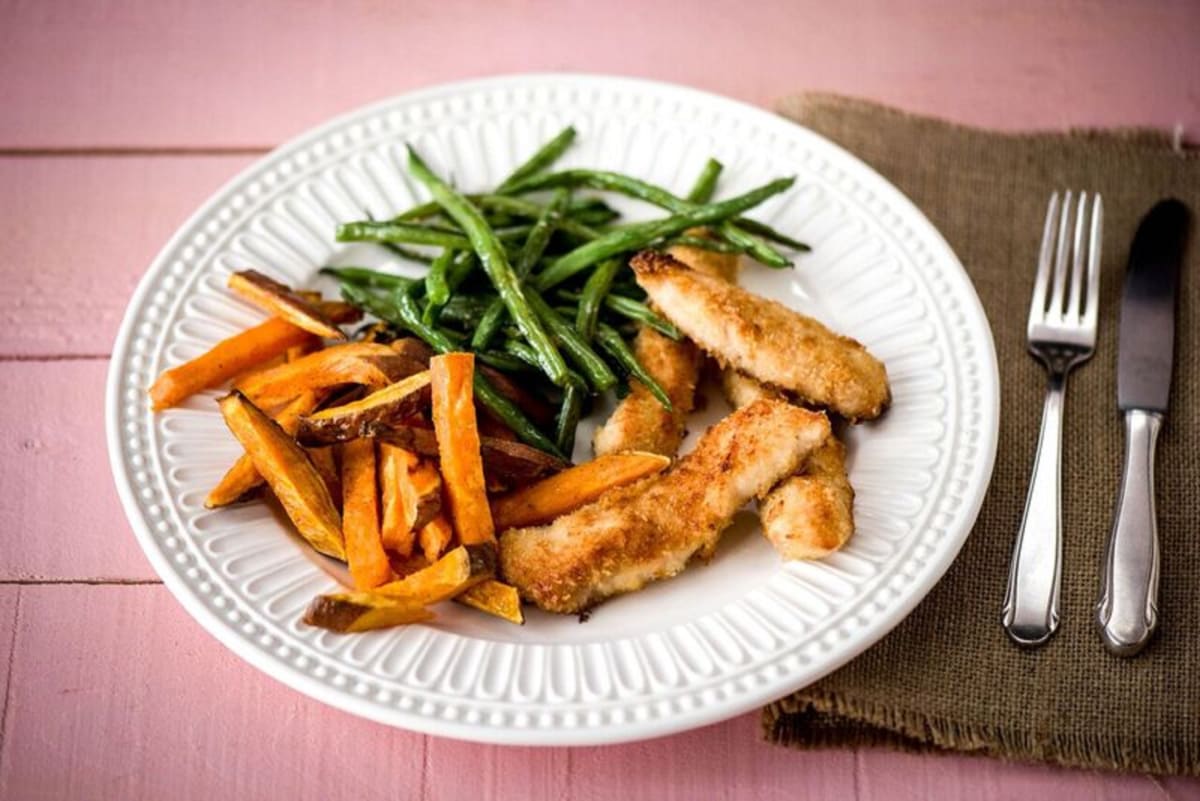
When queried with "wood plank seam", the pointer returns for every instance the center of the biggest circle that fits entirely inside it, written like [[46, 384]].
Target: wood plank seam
[[91, 582], [134, 151], [55, 357], [8, 675]]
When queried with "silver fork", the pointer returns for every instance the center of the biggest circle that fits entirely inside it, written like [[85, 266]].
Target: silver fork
[[1062, 334]]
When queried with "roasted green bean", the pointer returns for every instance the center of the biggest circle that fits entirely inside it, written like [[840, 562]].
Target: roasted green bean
[[610, 339], [495, 263], [643, 234]]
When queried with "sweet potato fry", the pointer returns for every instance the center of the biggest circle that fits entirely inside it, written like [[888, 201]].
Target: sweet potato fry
[[279, 300], [289, 472], [434, 537], [326, 464], [457, 571], [453, 402], [347, 612], [227, 359], [367, 363], [412, 348], [510, 463], [396, 528], [243, 476], [360, 516], [395, 402], [496, 598], [572, 488]]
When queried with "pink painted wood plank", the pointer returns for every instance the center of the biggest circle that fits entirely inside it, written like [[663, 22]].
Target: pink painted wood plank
[[9, 600], [235, 73], [117, 694], [725, 761], [79, 233], [59, 513]]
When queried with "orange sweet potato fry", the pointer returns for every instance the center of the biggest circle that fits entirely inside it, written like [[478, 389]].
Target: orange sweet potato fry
[[289, 472], [347, 612], [396, 529], [572, 488], [227, 359], [325, 462], [243, 476], [360, 516], [462, 568], [280, 300], [496, 598], [453, 404], [367, 363], [435, 537]]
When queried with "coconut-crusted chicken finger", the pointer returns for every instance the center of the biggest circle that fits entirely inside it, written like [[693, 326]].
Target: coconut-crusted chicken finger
[[765, 339], [811, 514], [640, 422], [650, 530]]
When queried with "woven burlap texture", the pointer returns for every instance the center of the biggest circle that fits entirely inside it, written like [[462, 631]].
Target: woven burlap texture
[[948, 677]]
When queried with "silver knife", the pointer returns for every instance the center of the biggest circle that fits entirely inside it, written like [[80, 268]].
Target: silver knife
[[1128, 609]]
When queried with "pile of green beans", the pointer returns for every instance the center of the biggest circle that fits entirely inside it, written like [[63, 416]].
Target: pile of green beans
[[533, 276]]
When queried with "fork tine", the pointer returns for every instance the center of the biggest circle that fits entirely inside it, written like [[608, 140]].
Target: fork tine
[[1060, 259], [1078, 279], [1095, 238], [1037, 306]]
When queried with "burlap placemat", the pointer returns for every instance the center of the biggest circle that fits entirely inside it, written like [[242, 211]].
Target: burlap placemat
[[948, 677]]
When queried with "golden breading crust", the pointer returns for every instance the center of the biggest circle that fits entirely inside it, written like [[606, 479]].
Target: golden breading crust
[[649, 530], [811, 514], [640, 423], [765, 339]]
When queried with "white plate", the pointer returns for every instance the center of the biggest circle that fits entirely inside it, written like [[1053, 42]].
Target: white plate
[[717, 641]]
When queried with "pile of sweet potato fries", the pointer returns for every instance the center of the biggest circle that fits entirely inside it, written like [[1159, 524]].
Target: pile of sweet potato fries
[[378, 455]]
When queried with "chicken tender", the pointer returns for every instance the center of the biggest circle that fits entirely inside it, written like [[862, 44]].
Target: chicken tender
[[765, 339], [650, 530], [811, 514], [640, 422]]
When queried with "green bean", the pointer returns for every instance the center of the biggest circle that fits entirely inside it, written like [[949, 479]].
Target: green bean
[[495, 263], [531, 253], [408, 253], [546, 155], [464, 264], [610, 339], [704, 243], [524, 208], [643, 234], [437, 290], [770, 234], [628, 185], [519, 349], [501, 361], [567, 420], [634, 310], [466, 310], [594, 291], [403, 312], [706, 182], [367, 231], [594, 369], [363, 276]]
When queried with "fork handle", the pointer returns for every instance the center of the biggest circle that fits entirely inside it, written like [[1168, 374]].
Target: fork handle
[[1128, 607], [1031, 601]]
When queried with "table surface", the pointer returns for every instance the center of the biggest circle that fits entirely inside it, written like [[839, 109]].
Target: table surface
[[120, 118]]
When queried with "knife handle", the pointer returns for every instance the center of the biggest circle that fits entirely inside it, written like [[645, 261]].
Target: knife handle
[[1030, 614], [1128, 607]]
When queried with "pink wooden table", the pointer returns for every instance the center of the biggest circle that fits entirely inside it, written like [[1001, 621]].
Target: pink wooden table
[[118, 120]]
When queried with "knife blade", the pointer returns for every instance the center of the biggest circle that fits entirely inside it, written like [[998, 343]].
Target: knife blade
[[1127, 611]]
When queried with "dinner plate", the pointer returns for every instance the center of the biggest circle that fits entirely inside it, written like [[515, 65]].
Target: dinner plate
[[718, 640]]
